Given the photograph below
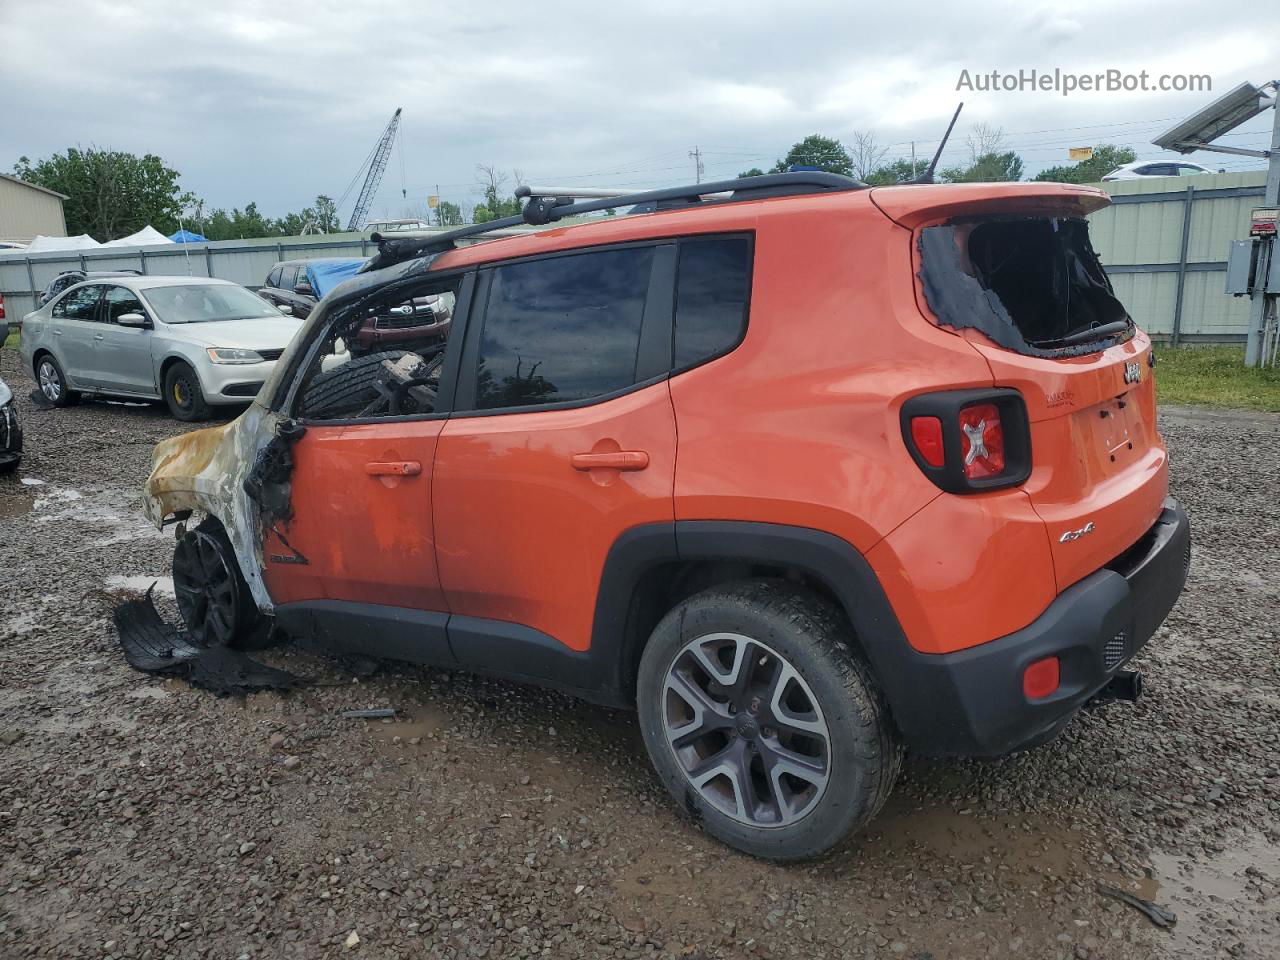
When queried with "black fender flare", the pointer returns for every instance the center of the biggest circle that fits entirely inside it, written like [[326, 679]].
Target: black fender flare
[[828, 559]]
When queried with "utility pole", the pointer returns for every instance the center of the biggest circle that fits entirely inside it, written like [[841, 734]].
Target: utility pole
[[696, 156], [913, 159]]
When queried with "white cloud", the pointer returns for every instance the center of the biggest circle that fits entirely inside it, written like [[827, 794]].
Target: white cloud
[[278, 103]]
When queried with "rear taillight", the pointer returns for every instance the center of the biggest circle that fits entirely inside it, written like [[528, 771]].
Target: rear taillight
[[926, 434], [982, 441], [967, 441], [1, 306]]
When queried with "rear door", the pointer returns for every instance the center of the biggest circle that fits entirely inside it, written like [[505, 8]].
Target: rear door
[[74, 327], [123, 354], [562, 438]]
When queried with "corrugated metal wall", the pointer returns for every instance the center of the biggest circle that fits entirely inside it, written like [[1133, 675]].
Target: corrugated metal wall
[[1139, 237], [26, 212]]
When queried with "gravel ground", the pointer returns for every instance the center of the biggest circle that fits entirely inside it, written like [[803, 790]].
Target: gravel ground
[[143, 818]]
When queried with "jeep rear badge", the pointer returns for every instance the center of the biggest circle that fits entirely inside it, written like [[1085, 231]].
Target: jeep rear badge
[[1076, 534], [1132, 372]]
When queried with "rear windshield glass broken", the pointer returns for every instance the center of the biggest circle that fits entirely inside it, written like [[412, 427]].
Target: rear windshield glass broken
[[1031, 284]]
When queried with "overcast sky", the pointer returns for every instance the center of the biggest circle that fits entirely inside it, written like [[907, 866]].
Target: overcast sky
[[277, 102]]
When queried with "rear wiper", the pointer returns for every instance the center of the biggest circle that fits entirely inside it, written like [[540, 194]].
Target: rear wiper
[[1085, 336]]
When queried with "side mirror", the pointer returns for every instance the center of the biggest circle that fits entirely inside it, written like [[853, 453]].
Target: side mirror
[[284, 308], [304, 289], [131, 320]]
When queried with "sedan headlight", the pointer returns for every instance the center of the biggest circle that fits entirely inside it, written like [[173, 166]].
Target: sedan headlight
[[233, 355]]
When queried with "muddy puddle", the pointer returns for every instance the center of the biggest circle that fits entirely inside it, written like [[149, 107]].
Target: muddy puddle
[[1226, 903], [17, 504]]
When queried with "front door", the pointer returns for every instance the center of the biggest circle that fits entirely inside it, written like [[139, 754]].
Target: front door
[[122, 355], [361, 532], [562, 438]]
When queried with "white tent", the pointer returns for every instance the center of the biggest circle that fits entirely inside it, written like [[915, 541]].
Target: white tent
[[146, 237], [43, 244]]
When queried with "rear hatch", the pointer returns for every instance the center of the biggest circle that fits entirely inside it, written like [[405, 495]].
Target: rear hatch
[[1010, 268]]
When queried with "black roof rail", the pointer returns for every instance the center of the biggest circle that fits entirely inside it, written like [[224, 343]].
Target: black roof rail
[[544, 208]]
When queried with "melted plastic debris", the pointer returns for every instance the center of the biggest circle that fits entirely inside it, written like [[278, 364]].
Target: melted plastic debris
[[152, 646]]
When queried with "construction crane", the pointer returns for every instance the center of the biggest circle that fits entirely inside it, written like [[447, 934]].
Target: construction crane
[[377, 167]]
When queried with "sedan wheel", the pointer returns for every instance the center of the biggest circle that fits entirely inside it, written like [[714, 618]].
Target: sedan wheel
[[53, 385]]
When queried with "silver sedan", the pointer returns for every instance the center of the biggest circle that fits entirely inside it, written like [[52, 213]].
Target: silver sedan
[[193, 342]]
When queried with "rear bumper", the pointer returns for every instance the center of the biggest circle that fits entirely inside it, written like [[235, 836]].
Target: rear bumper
[[972, 702]]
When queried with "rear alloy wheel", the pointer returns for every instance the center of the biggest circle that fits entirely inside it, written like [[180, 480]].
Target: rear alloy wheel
[[747, 730], [53, 385], [213, 597], [183, 394], [764, 721]]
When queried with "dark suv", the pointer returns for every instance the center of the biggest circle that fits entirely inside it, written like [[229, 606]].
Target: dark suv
[[301, 284]]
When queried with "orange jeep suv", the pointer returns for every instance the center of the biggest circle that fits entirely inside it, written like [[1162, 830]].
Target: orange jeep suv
[[805, 472]]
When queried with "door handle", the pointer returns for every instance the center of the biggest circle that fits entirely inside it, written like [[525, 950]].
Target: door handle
[[98, 336], [57, 333], [393, 468], [616, 460]]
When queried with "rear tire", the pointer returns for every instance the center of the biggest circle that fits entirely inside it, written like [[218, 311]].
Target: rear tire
[[184, 395], [791, 749], [53, 382]]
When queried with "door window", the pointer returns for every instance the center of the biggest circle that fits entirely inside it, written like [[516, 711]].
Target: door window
[[384, 360], [118, 301], [287, 277], [79, 304], [713, 285], [273, 279], [562, 328]]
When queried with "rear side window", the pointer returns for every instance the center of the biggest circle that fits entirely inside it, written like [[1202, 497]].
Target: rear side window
[[713, 286], [274, 279], [79, 304], [562, 328]]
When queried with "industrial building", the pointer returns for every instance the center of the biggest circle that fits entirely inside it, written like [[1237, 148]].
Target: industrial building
[[28, 211]]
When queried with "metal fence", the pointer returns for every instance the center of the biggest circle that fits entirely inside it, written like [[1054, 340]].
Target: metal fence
[[1163, 240]]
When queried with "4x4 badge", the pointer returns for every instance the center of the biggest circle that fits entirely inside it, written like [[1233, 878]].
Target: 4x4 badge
[[1132, 372], [1076, 534]]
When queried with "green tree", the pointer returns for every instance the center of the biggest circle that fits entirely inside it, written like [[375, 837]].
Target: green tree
[[1105, 159], [110, 194], [495, 205], [818, 151], [448, 214], [244, 224], [753, 172], [986, 168], [899, 171]]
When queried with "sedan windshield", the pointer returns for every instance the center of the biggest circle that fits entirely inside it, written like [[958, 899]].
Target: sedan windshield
[[207, 303]]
